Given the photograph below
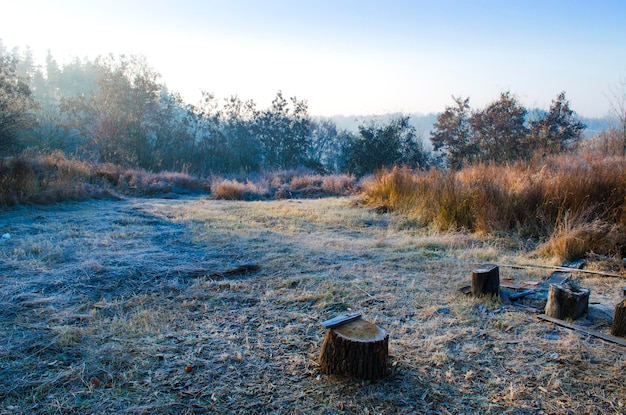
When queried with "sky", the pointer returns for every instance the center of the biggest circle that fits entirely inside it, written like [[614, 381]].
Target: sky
[[347, 57]]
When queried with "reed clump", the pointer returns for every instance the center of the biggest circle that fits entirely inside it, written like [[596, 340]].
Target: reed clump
[[558, 199]]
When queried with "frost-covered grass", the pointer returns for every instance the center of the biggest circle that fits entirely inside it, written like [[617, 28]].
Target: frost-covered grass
[[121, 307]]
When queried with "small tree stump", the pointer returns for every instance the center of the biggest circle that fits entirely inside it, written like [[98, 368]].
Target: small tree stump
[[567, 301], [486, 281], [618, 328], [358, 348]]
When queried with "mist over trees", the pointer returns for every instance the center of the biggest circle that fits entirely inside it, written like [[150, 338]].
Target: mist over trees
[[116, 109], [16, 102]]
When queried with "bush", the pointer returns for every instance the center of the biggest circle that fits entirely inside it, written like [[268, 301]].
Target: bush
[[230, 189], [575, 237]]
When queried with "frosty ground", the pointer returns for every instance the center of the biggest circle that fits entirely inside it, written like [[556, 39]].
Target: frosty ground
[[124, 307]]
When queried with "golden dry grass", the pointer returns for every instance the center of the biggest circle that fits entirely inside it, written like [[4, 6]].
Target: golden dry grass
[[100, 314], [560, 197], [52, 178]]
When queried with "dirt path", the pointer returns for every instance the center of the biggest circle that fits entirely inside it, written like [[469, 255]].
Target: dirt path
[[103, 309]]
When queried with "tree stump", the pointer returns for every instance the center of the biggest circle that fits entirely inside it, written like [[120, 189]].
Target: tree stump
[[486, 281], [358, 348], [618, 328], [567, 301]]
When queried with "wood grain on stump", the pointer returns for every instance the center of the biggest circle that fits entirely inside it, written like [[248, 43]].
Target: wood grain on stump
[[486, 281], [618, 328], [358, 348], [567, 301]]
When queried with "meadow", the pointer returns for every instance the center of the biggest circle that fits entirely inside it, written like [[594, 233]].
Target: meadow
[[122, 304]]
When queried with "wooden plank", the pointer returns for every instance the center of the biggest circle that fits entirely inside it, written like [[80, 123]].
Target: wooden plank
[[517, 295], [563, 269], [340, 320], [590, 332]]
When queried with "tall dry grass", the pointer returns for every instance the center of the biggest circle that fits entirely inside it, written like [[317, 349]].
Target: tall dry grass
[[555, 199], [50, 178], [285, 184]]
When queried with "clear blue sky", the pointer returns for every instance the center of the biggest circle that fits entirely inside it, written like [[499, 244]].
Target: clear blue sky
[[348, 57]]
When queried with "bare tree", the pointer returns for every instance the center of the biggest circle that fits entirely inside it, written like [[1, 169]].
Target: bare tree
[[617, 99]]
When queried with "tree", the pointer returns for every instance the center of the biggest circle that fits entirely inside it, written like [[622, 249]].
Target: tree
[[173, 143], [119, 117], [238, 130], [499, 131], [16, 102], [452, 134], [324, 152], [284, 135], [618, 105], [383, 146], [557, 131]]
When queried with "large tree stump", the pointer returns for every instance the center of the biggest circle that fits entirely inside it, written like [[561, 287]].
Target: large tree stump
[[566, 301], [358, 348], [486, 281], [618, 328]]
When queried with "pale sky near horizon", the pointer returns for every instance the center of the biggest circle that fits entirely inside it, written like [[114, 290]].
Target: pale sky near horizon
[[347, 57]]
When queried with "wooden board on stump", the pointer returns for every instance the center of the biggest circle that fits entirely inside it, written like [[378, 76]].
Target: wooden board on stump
[[567, 301], [618, 328], [358, 348], [486, 281]]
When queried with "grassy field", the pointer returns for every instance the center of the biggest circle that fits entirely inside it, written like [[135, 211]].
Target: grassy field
[[124, 307]]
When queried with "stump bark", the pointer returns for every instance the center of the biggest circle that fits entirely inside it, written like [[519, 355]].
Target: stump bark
[[618, 328], [566, 301], [486, 281], [358, 348]]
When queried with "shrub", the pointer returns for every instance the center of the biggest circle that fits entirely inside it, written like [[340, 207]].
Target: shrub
[[230, 189], [575, 237], [337, 185], [307, 180], [50, 178]]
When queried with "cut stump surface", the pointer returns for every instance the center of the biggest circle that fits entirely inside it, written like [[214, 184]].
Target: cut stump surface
[[566, 301], [358, 348]]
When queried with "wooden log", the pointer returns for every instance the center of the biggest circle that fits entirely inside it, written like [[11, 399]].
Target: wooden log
[[618, 328], [486, 281], [565, 301], [586, 330], [358, 348]]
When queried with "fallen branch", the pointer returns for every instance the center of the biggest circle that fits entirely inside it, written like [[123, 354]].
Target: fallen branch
[[585, 330], [241, 269], [195, 272], [562, 269]]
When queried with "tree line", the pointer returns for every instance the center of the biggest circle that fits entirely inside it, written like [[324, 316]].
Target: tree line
[[115, 109]]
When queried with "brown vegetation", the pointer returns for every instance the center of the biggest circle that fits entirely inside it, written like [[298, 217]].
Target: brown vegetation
[[576, 204], [50, 178], [286, 184]]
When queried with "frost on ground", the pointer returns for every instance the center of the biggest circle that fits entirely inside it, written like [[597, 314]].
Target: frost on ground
[[122, 307]]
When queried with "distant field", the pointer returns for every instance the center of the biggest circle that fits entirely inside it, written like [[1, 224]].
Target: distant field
[[125, 307]]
